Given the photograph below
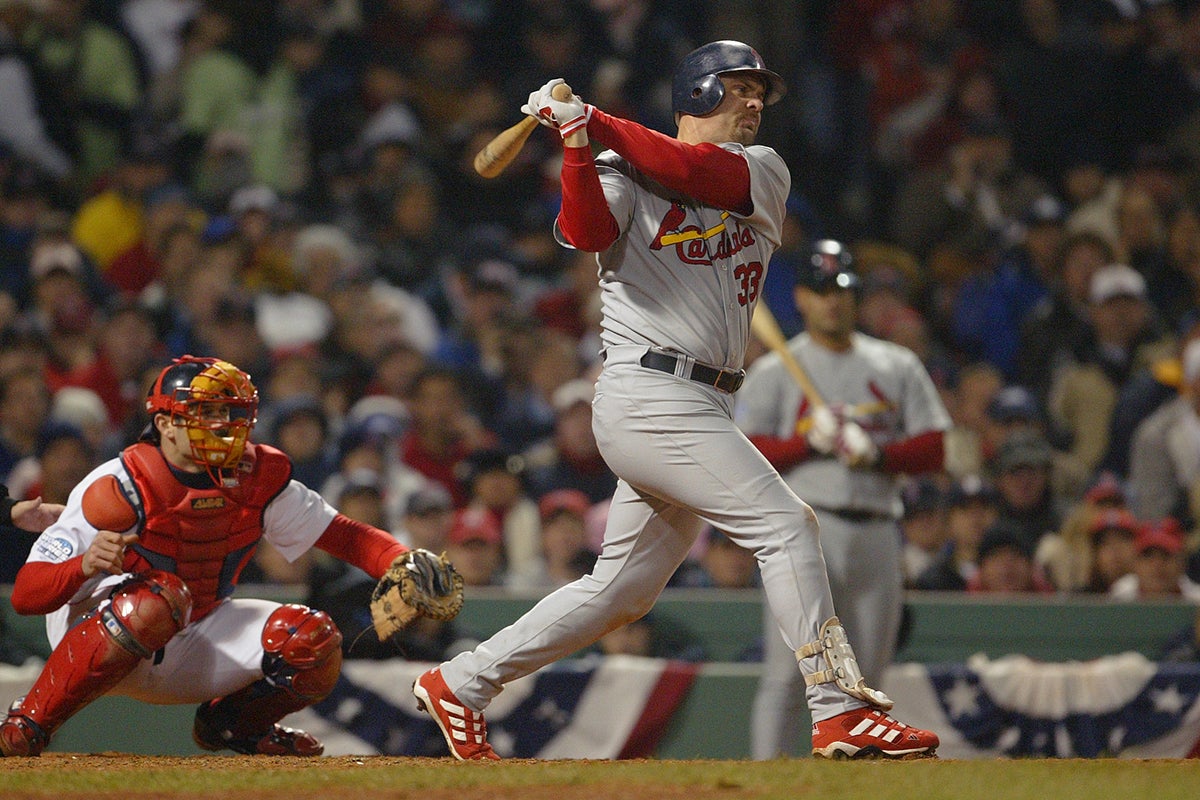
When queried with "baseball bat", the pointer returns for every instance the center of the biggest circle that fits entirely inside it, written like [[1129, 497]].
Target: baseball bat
[[766, 328], [496, 155]]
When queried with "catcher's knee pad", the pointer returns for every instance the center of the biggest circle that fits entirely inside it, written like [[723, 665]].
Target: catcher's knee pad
[[145, 611], [842, 665], [139, 617], [302, 651]]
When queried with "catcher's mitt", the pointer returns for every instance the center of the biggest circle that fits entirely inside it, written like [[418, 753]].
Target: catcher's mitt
[[417, 584]]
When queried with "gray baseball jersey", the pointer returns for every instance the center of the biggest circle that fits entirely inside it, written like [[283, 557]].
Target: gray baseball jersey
[[886, 389], [683, 277], [881, 385]]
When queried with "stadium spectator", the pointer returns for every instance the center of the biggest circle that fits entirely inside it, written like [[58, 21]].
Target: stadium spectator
[[125, 345], [428, 515], [493, 479], [721, 564], [970, 511], [968, 442], [1013, 408], [1124, 335], [24, 125], [1158, 568], [570, 459], [90, 84], [299, 427], [24, 407], [1022, 475], [966, 202], [992, 306], [565, 554], [475, 546], [443, 431], [922, 526], [62, 459], [1114, 550], [1068, 556], [1006, 564]]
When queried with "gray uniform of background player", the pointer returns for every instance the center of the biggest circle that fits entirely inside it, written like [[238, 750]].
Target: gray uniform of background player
[[862, 556], [672, 441]]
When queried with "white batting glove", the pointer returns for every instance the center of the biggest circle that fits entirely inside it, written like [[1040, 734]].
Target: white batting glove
[[824, 430], [535, 103], [855, 447], [568, 116]]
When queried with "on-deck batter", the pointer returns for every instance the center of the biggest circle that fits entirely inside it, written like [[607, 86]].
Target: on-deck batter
[[882, 417], [684, 229]]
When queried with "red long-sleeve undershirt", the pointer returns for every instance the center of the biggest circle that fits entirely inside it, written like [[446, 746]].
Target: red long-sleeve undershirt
[[924, 452], [585, 221], [42, 587], [362, 545], [706, 172]]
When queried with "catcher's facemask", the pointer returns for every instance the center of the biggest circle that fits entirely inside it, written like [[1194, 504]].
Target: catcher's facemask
[[216, 404]]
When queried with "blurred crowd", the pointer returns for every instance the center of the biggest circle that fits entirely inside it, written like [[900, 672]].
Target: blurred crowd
[[288, 185]]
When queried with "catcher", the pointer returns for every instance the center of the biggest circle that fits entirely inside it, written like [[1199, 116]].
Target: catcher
[[136, 577]]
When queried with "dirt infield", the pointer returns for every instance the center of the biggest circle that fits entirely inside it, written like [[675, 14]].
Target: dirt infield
[[109, 776]]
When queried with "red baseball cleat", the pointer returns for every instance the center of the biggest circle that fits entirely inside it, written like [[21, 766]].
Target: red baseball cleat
[[208, 734], [870, 733], [465, 731]]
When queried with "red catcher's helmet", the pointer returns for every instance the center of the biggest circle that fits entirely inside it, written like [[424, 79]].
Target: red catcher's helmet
[[214, 400]]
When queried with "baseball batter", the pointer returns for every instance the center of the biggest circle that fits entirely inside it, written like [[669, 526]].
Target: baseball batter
[[877, 415], [135, 577], [684, 228]]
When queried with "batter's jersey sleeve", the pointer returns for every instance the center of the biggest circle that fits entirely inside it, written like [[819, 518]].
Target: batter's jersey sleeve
[[770, 183]]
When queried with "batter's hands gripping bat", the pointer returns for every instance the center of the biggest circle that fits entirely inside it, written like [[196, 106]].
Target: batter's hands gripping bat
[[766, 328], [497, 154]]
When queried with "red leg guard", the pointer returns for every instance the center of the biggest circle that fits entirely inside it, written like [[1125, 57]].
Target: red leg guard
[[302, 659], [141, 616]]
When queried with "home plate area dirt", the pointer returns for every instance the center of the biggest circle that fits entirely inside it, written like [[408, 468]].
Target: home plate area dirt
[[94, 776]]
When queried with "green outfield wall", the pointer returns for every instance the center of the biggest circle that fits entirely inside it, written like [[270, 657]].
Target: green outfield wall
[[714, 721]]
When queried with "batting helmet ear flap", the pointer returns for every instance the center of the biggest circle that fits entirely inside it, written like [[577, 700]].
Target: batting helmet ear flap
[[708, 91], [696, 88]]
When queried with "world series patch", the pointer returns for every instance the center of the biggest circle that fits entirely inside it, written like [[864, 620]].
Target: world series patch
[[56, 549]]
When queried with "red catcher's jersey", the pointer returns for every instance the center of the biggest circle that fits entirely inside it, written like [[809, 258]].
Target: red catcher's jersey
[[205, 536]]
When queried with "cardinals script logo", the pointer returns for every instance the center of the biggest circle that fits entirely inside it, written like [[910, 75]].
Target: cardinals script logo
[[692, 244]]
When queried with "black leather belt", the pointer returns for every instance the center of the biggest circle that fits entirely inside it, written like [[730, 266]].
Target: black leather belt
[[854, 514], [724, 380]]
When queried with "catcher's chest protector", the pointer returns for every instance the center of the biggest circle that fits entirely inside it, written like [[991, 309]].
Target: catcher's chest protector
[[205, 536]]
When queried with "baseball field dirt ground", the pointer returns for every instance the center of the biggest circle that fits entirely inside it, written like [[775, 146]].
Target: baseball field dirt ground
[[109, 776]]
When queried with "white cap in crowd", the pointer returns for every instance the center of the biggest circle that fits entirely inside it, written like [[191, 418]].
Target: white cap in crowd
[[1116, 280]]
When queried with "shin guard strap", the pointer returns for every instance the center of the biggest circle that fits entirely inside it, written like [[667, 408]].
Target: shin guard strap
[[842, 665]]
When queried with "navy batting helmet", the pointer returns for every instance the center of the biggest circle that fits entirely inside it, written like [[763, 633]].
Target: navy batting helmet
[[697, 88], [829, 266]]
